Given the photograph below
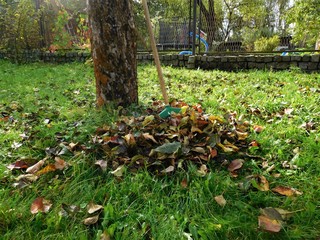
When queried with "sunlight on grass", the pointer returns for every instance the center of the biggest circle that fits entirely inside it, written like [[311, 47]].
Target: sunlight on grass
[[52, 106]]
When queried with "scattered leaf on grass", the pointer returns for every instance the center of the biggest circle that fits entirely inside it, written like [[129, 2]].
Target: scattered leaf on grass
[[36, 167], [220, 200], [27, 177], [20, 164], [235, 165], [40, 205], [257, 128], [60, 164], [102, 164], [119, 171], [184, 183], [91, 220], [271, 213], [168, 169], [92, 207], [105, 236], [286, 191], [203, 170], [269, 225], [260, 182], [46, 169]]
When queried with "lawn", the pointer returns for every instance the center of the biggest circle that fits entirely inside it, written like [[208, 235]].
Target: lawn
[[50, 126]]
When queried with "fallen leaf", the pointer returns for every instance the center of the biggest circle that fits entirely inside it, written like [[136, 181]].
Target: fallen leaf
[[203, 170], [288, 111], [36, 167], [235, 165], [40, 205], [27, 177], [169, 148], [91, 220], [102, 164], [20, 164], [220, 200], [286, 191], [184, 183], [46, 169], [130, 140], [168, 169], [258, 129], [60, 164], [148, 136], [92, 207], [271, 213], [269, 225], [119, 171], [147, 120], [105, 236], [260, 182]]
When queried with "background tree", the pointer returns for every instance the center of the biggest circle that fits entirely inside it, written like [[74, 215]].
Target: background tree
[[304, 18], [113, 44]]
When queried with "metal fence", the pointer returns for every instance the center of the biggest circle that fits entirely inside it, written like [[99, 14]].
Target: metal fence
[[233, 27]]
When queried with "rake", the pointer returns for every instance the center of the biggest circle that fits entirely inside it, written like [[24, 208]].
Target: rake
[[168, 109]]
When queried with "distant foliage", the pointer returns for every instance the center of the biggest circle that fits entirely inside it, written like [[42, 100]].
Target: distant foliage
[[19, 25], [305, 21], [266, 44]]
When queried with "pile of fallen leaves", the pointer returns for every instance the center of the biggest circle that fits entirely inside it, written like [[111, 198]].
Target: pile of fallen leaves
[[163, 145]]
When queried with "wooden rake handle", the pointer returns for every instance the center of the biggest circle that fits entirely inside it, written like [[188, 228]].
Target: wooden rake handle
[[155, 52]]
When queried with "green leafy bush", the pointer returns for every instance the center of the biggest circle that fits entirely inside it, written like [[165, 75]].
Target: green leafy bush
[[266, 44]]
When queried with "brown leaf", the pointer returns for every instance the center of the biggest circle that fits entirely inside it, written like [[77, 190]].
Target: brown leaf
[[260, 182], [184, 183], [92, 207], [35, 168], [235, 164], [102, 164], [254, 143], [148, 136], [60, 164], [269, 225], [258, 129], [130, 140], [213, 152], [40, 205], [242, 135], [286, 191], [91, 220], [220, 200], [20, 164]]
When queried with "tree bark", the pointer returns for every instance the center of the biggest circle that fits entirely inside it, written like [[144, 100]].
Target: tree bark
[[113, 45], [210, 18]]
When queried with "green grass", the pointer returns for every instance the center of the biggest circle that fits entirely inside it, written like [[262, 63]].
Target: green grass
[[141, 205]]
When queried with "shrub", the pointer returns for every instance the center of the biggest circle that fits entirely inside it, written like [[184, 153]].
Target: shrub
[[266, 44]]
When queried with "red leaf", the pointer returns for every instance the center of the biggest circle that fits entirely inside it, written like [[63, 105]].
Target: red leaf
[[40, 205], [20, 164]]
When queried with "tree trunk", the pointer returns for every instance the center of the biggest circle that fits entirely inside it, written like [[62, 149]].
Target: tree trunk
[[210, 18], [113, 45]]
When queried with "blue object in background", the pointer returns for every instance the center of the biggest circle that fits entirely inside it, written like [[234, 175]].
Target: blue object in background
[[201, 39]]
